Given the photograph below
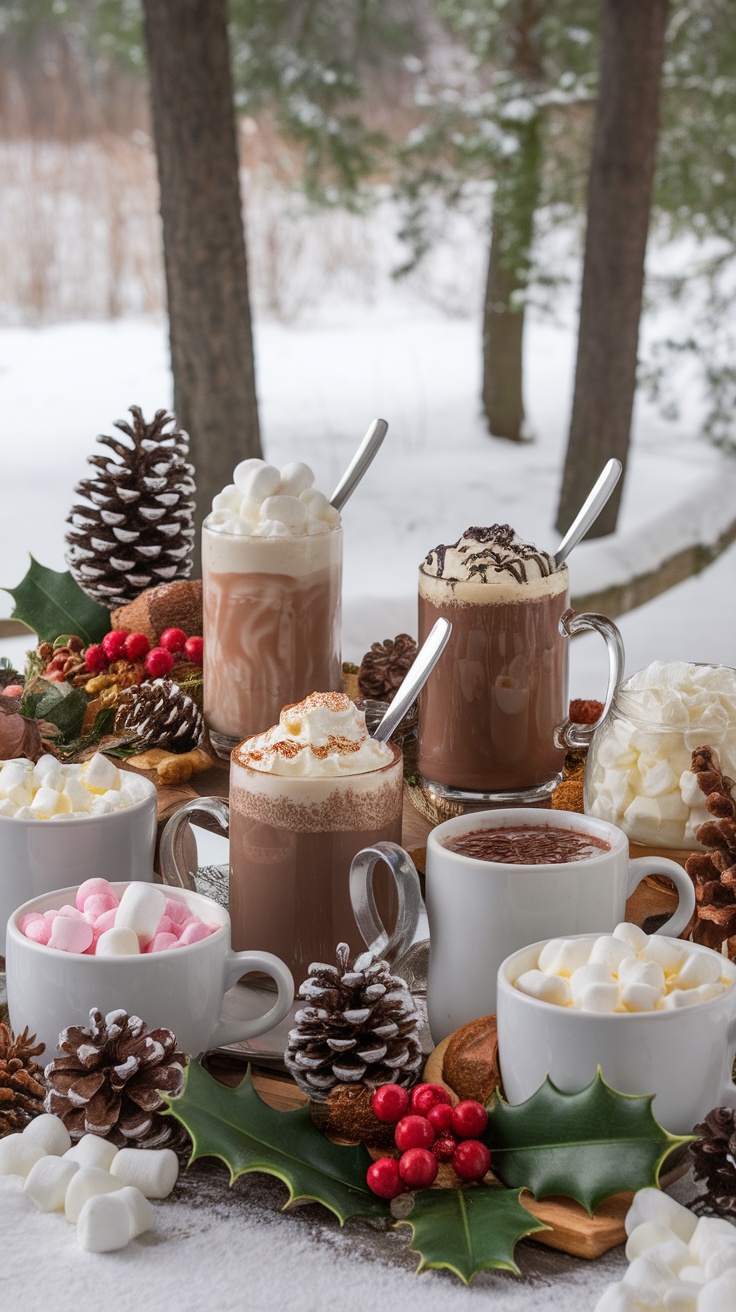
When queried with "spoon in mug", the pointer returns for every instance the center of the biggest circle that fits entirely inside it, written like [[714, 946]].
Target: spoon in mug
[[415, 679], [360, 462], [589, 511]]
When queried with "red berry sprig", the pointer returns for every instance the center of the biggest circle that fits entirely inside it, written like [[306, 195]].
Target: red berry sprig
[[113, 644], [471, 1159], [427, 1131], [118, 644], [159, 662], [384, 1179], [173, 640]]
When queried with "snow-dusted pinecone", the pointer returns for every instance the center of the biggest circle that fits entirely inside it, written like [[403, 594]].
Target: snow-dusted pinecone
[[360, 1026], [160, 714], [138, 528]]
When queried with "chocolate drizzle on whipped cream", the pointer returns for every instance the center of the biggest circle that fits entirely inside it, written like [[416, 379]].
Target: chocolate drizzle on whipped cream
[[495, 550]]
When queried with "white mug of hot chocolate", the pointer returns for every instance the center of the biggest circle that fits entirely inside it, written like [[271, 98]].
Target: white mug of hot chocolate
[[480, 910]]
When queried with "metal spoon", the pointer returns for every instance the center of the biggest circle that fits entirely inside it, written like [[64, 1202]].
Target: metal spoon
[[415, 679], [590, 510], [359, 464]]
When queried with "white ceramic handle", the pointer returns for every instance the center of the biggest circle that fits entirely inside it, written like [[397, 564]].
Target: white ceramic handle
[[660, 865], [727, 1098], [375, 935], [241, 963]]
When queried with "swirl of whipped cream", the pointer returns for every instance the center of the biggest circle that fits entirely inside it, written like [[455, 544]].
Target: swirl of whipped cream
[[265, 502], [489, 555], [323, 735]]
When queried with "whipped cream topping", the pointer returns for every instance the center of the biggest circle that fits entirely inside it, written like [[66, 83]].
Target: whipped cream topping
[[325, 735], [265, 502], [489, 555]]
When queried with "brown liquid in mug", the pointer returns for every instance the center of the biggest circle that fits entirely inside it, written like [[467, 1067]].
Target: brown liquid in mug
[[528, 845]]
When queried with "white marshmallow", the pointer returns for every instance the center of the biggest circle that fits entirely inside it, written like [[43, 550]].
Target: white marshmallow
[[719, 1295], [649, 1276], [47, 1182], [141, 908], [285, 510], [699, 968], [634, 971], [152, 1170], [709, 1235], [546, 988], [227, 500], [80, 799], [610, 952], [99, 774], [100, 806], [640, 997], [18, 1154], [654, 1205], [104, 1224], [25, 813], [683, 1297], [49, 1133], [117, 942], [133, 787], [593, 973], [92, 1151], [667, 951], [690, 790], [7, 807], [48, 771], [256, 479], [86, 1183], [678, 998], [598, 997], [722, 1258], [47, 802], [18, 772], [295, 478], [315, 501], [659, 778], [562, 956], [650, 1234], [139, 1210]]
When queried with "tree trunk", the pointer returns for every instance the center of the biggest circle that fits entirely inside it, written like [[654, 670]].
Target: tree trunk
[[619, 201], [204, 242], [514, 205]]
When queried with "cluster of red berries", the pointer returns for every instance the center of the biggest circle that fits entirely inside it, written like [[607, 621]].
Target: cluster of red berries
[[120, 645], [429, 1130]]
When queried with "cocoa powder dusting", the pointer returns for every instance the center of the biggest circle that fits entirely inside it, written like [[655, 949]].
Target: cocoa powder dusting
[[528, 845]]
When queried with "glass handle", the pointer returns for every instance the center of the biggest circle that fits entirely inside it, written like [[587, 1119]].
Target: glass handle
[[568, 734], [174, 865], [374, 933]]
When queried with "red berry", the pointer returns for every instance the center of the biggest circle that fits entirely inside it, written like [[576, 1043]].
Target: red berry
[[159, 661], [194, 650], [469, 1119], [389, 1103], [413, 1132], [418, 1168], [471, 1159], [95, 659], [444, 1147], [136, 646], [440, 1117], [172, 639], [425, 1096], [113, 644], [384, 1179]]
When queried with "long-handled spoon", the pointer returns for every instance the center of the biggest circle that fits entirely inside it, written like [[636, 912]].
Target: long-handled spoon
[[363, 457], [590, 510], [415, 679]]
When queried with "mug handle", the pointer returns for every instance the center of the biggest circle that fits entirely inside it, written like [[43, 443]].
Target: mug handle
[[373, 931], [655, 865], [727, 1096], [568, 734], [241, 963], [172, 851]]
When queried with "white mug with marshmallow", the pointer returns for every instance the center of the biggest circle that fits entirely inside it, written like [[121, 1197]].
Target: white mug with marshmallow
[[181, 989], [479, 911]]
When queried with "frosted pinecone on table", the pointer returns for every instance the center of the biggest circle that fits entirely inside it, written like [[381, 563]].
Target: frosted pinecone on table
[[159, 713], [360, 1026]]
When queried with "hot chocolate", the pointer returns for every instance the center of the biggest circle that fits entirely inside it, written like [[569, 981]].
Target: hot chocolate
[[488, 713], [528, 845], [305, 797]]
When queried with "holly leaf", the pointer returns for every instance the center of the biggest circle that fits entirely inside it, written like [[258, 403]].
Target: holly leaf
[[57, 704], [51, 603], [468, 1230], [585, 1145], [247, 1135]]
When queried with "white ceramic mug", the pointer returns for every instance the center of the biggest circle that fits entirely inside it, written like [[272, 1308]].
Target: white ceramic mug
[[479, 911], [38, 856], [181, 989], [683, 1057]]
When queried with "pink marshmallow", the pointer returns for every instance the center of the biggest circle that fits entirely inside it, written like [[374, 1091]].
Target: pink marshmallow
[[38, 929], [70, 935], [97, 904], [26, 920], [167, 926], [177, 911], [70, 912], [105, 921], [92, 887], [50, 915], [193, 932], [162, 942]]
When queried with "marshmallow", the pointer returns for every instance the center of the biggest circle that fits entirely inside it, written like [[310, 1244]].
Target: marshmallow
[[719, 1295], [650, 1234], [649, 1276], [163, 941], [18, 1154], [86, 1183], [610, 952], [631, 934], [48, 1133], [139, 1210], [79, 797], [7, 807], [585, 975], [295, 478], [708, 1236], [285, 510], [194, 933], [70, 935], [117, 942], [100, 806], [38, 931], [547, 988], [229, 499], [141, 908], [640, 997], [654, 1205], [92, 1151], [176, 911], [720, 1259], [598, 997], [16, 773], [152, 1170], [99, 774], [634, 971], [47, 803], [256, 479], [48, 1181], [97, 905], [683, 1297], [699, 968], [104, 1224], [562, 956], [668, 952], [48, 771]]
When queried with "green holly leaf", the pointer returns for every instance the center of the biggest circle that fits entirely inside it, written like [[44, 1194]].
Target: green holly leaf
[[469, 1230], [59, 705], [247, 1135], [585, 1145], [52, 603]]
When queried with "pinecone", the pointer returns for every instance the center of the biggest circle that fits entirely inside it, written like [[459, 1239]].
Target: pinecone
[[108, 1080], [714, 871], [21, 1092], [160, 714], [714, 1157], [139, 528], [9, 676], [384, 666], [361, 1026]]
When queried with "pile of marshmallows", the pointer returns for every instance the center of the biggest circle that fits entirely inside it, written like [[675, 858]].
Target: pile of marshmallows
[[100, 1189], [143, 920], [626, 971], [266, 502], [49, 790], [678, 1263]]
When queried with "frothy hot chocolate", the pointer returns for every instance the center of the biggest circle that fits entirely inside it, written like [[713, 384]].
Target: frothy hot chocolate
[[528, 845]]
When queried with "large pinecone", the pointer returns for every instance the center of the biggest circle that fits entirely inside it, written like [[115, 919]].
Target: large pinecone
[[714, 1153], [21, 1090], [107, 1082], [382, 668], [139, 528], [160, 714], [714, 871], [361, 1026]]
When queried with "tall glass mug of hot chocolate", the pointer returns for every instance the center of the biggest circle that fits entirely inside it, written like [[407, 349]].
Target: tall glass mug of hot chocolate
[[493, 723], [272, 567]]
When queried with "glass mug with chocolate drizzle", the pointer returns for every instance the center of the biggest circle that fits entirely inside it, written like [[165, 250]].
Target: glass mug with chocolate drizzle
[[493, 724]]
